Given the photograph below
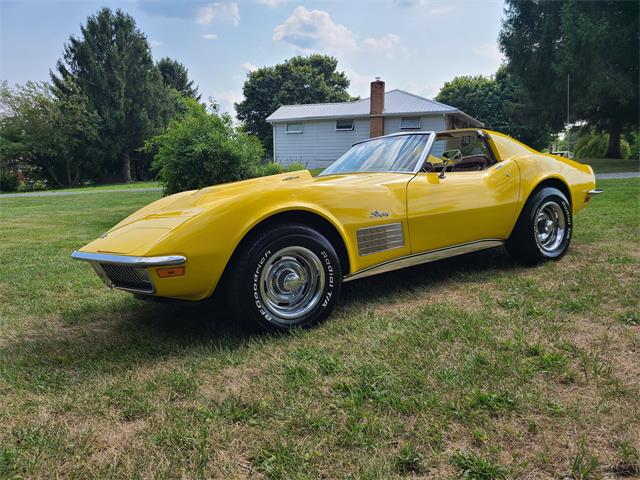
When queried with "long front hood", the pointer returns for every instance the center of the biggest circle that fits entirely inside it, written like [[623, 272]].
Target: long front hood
[[141, 230]]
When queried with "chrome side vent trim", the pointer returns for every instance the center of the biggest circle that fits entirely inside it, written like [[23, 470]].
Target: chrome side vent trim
[[379, 238]]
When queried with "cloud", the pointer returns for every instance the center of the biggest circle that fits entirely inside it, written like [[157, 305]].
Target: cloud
[[360, 84], [210, 36], [272, 3], [428, 90], [431, 8], [385, 44], [155, 43], [315, 30], [439, 10], [249, 67], [226, 12], [226, 99], [409, 3], [166, 9], [488, 51]]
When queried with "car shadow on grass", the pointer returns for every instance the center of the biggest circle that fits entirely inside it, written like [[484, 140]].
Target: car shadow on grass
[[145, 333]]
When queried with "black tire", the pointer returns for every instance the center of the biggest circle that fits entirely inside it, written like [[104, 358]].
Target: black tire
[[289, 259], [546, 210]]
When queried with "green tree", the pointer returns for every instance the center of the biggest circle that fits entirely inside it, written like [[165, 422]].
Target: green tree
[[499, 102], [201, 148], [595, 44], [299, 80], [111, 65], [593, 144], [175, 75], [53, 135]]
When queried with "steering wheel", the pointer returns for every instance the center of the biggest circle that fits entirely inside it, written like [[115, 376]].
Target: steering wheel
[[454, 154]]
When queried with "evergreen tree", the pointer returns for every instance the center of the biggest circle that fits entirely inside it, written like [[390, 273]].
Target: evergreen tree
[[594, 44], [175, 75], [111, 64]]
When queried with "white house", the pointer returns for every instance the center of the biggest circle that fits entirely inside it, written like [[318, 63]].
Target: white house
[[318, 134]]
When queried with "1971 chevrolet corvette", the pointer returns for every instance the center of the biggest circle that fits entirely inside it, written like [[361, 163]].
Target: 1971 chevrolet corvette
[[281, 246]]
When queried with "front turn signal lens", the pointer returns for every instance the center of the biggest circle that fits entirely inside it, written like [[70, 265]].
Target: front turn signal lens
[[170, 272]]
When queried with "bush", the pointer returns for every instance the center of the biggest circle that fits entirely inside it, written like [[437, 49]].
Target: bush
[[32, 185], [295, 166], [274, 168], [595, 144], [9, 181], [271, 168], [199, 149]]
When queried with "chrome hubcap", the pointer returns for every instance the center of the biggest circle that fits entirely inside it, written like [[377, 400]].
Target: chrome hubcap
[[291, 282], [549, 226]]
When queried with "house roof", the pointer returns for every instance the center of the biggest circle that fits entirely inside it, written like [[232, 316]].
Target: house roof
[[396, 102]]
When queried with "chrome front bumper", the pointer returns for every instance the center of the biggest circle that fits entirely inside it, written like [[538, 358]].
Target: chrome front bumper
[[126, 272], [591, 193]]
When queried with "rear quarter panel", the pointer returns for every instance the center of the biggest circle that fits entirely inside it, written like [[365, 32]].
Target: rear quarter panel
[[535, 167]]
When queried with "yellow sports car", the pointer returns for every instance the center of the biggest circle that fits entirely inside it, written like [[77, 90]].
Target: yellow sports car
[[281, 246]]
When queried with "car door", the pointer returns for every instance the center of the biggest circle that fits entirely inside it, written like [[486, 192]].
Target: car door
[[462, 207]]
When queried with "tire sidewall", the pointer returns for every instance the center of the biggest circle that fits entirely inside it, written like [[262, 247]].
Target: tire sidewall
[[544, 196], [259, 254]]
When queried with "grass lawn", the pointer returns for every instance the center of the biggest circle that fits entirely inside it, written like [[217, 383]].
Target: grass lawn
[[112, 186], [613, 165], [473, 367]]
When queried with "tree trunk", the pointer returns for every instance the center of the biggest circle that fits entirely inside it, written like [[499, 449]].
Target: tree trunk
[[76, 179], [126, 168], [53, 175], [614, 140], [69, 182]]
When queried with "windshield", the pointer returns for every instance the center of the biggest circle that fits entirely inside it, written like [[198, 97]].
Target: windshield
[[386, 154]]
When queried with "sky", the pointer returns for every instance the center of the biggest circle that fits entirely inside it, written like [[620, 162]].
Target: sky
[[414, 45]]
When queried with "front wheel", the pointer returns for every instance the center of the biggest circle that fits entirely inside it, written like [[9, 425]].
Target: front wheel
[[286, 277], [543, 230]]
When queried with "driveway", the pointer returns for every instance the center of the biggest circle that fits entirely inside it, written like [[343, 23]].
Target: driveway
[[605, 176]]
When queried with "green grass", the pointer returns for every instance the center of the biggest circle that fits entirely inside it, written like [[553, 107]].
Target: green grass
[[112, 186], [613, 165], [472, 367]]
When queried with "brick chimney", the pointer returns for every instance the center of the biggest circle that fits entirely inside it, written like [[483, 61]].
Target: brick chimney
[[376, 121]]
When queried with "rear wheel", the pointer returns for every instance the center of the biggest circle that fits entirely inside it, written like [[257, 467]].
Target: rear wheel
[[286, 277], [543, 230]]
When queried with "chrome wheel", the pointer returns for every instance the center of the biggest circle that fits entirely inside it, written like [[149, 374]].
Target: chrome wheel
[[291, 282], [549, 226]]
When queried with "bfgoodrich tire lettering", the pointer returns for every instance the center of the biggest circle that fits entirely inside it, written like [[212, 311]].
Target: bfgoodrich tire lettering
[[286, 277], [543, 230]]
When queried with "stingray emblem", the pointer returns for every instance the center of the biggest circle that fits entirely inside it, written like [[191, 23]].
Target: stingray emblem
[[378, 214]]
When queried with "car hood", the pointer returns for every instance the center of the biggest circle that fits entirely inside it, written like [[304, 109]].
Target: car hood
[[147, 226]]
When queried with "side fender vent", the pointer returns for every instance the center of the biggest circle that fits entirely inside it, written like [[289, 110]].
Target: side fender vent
[[380, 238]]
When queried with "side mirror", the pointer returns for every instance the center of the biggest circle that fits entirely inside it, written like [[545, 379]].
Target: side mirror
[[445, 163]]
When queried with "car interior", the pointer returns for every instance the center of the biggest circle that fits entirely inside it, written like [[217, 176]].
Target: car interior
[[463, 152]]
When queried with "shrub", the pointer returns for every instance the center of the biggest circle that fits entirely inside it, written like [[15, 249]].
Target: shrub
[[9, 181], [271, 168], [199, 149], [295, 166], [594, 145], [33, 185]]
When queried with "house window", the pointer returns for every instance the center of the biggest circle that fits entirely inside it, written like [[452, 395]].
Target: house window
[[294, 128], [410, 123], [344, 125]]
